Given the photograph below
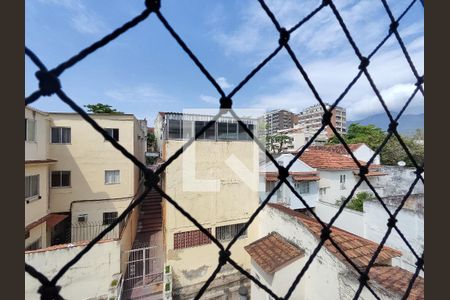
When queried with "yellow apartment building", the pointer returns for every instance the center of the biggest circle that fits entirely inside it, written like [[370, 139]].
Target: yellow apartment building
[[216, 181], [73, 176]]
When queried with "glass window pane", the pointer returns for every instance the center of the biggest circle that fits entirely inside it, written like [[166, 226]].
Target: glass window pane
[[56, 178], [198, 126], [242, 134], [31, 128], [65, 178], [210, 133], [174, 129], [65, 135], [232, 131], [56, 135], [222, 129], [187, 129]]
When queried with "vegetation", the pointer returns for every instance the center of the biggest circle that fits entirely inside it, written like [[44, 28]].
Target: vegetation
[[114, 283], [167, 269], [100, 108], [151, 147], [357, 202], [392, 152], [276, 142], [167, 288]]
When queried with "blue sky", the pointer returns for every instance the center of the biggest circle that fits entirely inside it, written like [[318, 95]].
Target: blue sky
[[145, 71]]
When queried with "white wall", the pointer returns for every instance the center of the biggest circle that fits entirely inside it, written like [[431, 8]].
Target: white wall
[[349, 219], [410, 223], [38, 149], [364, 153], [284, 194], [90, 277], [324, 278]]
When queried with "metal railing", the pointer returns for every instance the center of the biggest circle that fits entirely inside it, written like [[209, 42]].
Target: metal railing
[[49, 84]]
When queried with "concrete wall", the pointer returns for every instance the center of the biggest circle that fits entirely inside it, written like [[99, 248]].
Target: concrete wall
[[89, 155], [38, 232], [364, 153], [411, 224], [326, 278], [349, 219], [331, 181], [217, 183], [398, 180], [91, 277]]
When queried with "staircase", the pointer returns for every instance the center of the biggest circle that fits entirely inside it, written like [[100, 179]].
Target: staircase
[[150, 218]]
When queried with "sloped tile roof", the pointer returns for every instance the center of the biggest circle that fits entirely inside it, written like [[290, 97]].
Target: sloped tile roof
[[327, 160], [273, 252], [338, 148], [397, 280], [360, 251]]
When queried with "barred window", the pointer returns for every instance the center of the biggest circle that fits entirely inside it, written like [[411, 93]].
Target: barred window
[[189, 239], [31, 186], [109, 217], [60, 179], [112, 176], [227, 232], [61, 135], [174, 129], [113, 132]]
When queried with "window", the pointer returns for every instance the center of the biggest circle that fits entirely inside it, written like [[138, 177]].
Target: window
[[322, 191], [113, 132], [109, 217], [174, 129], [198, 127], [112, 177], [189, 239], [35, 245], [342, 181], [232, 131], [210, 133], [61, 135], [30, 130], [222, 131], [60, 178], [31, 186], [302, 187], [226, 233], [187, 129]]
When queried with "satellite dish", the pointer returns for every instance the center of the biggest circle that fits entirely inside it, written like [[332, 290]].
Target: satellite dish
[[401, 163]]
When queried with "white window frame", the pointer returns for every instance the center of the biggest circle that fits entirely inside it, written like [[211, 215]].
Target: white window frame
[[27, 127], [60, 186], [35, 196], [110, 131], [116, 177], [300, 186], [60, 142]]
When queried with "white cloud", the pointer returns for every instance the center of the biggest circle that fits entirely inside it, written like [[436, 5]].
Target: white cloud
[[142, 93], [223, 83], [209, 99], [82, 19]]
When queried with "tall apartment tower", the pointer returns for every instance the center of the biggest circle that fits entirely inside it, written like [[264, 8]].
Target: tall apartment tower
[[279, 119], [311, 120]]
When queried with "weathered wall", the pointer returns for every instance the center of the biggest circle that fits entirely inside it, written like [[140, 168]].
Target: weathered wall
[[349, 219], [410, 222], [88, 156], [37, 232], [91, 277], [326, 278], [217, 183], [399, 180]]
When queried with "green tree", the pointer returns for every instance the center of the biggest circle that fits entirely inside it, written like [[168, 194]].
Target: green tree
[[151, 147], [276, 142], [392, 152], [357, 202], [100, 108]]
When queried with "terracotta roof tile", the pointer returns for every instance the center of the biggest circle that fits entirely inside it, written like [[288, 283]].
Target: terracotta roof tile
[[360, 251], [397, 280], [338, 148], [272, 252], [322, 159]]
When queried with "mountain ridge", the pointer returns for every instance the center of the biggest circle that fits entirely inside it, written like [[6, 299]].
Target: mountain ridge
[[407, 124]]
